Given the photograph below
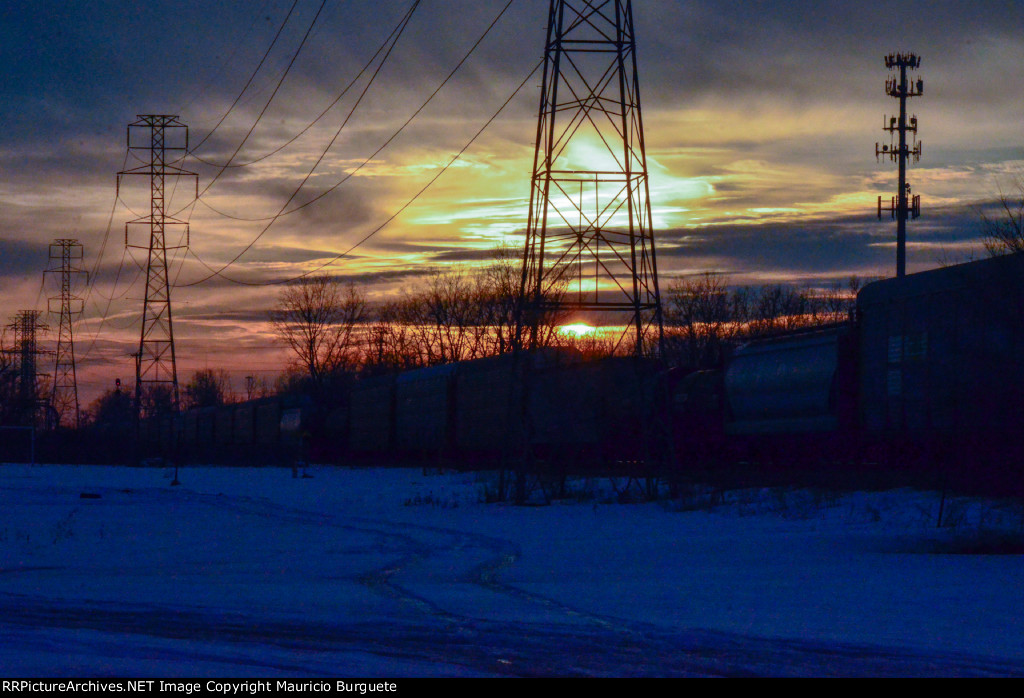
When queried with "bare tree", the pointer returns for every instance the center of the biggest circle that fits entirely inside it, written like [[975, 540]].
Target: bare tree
[[455, 314], [208, 388], [701, 315], [319, 318], [114, 406], [1004, 230]]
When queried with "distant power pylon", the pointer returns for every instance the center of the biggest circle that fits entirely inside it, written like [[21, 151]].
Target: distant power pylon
[[158, 135], [589, 235], [65, 255], [904, 205], [26, 326]]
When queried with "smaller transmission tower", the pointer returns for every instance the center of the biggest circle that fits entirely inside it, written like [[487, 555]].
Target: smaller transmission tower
[[159, 136], [26, 327], [65, 256], [904, 205]]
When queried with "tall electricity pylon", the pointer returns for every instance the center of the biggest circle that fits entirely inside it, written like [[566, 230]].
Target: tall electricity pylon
[[156, 363], [26, 326], [65, 255], [904, 205], [589, 236]]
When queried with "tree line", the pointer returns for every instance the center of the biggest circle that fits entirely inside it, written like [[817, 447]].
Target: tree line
[[336, 335]]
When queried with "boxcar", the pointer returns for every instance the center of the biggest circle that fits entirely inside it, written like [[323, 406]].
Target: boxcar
[[425, 410], [942, 370], [372, 415]]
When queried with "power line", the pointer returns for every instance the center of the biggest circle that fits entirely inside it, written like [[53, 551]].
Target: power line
[[253, 75], [283, 212], [380, 227], [315, 164], [384, 145], [270, 100], [204, 89], [312, 123]]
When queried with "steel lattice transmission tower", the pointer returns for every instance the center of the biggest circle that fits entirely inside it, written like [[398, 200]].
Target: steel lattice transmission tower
[[26, 327], [165, 140], [904, 205], [589, 237], [65, 256]]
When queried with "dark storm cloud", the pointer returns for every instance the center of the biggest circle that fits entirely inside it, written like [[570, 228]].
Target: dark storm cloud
[[806, 249], [18, 257], [804, 48]]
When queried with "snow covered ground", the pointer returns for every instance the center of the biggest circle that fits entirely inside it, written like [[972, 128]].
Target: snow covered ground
[[390, 572]]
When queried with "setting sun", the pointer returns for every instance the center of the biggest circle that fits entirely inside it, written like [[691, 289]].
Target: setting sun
[[578, 330]]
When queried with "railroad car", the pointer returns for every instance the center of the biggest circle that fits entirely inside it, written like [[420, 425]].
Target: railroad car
[[942, 371], [929, 375]]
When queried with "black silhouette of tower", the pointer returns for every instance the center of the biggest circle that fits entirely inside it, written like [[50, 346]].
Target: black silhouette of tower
[[904, 205], [65, 256], [164, 139], [26, 327], [589, 238]]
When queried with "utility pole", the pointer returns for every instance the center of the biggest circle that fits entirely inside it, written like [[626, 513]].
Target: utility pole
[[65, 255], [589, 235], [158, 136], [904, 205]]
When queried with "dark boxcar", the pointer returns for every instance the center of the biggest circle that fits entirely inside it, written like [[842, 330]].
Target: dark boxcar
[[487, 406], [190, 429], [489, 410], [223, 434], [205, 427], [372, 415], [243, 424], [333, 442], [424, 409], [698, 416], [268, 421], [596, 411], [942, 373]]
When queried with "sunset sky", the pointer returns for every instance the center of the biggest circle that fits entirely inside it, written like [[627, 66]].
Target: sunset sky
[[761, 120]]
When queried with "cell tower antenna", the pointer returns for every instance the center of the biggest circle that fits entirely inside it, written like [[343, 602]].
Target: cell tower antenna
[[65, 256], [905, 204], [589, 235], [162, 136]]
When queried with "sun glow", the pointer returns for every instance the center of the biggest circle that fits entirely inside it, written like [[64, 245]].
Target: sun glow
[[578, 330]]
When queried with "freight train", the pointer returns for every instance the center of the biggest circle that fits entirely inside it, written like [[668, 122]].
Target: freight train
[[929, 374]]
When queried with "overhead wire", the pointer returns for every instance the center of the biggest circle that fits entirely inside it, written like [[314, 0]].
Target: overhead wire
[[284, 210], [270, 100], [406, 205], [384, 145], [317, 119], [94, 274], [349, 175], [252, 77], [316, 164]]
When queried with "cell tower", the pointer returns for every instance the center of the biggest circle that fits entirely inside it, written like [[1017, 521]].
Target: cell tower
[[904, 204], [65, 255], [160, 136], [589, 235], [26, 326]]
